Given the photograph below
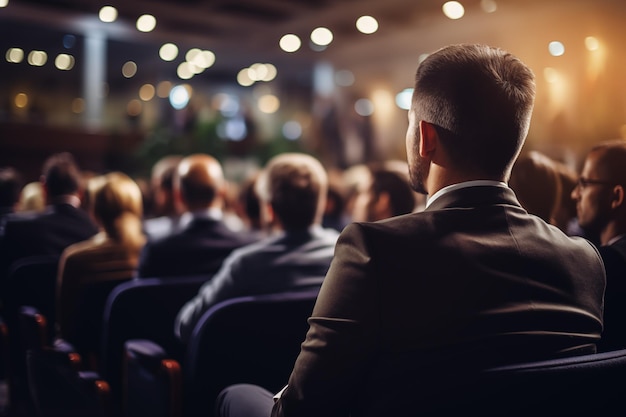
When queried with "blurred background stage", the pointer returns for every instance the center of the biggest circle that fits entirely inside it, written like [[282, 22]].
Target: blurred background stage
[[219, 76]]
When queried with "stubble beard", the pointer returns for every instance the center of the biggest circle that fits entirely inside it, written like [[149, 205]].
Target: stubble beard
[[418, 170]]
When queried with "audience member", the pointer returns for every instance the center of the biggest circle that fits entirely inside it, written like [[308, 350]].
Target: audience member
[[471, 281], [32, 197], [536, 184], [601, 202], [62, 223], [165, 217], [88, 270], [335, 216], [203, 241], [292, 191], [386, 193], [10, 186], [248, 207], [565, 215]]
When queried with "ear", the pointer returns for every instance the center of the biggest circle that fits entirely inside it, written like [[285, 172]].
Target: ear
[[428, 139], [617, 199]]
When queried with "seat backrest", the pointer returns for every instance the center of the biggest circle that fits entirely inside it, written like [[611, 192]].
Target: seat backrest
[[32, 281], [142, 309], [587, 385], [33, 329], [58, 388], [5, 362], [252, 339], [152, 381]]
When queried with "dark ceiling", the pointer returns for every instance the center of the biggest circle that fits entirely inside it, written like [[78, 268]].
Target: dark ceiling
[[240, 32]]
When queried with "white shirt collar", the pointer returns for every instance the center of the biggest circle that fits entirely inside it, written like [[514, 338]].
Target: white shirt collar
[[465, 184], [70, 199], [212, 213]]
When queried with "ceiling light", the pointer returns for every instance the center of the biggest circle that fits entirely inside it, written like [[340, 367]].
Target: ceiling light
[[367, 24], [129, 69], [321, 36], [15, 55], [64, 62], [168, 52], [290, 43], [37, 58], [146, 23], [108, 14], [453, 10], [556, 48], [489, 6], [4, 3]]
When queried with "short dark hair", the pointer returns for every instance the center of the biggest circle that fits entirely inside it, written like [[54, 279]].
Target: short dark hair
[[10, 186], [398, 187], [61, 175], [612, 160], [480, 99], [296, 186]]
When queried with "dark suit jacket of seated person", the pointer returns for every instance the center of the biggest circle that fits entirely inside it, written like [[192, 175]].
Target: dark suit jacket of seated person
[[204, 241], [473, 279], [61, 224], [292, 192], [600, 197]]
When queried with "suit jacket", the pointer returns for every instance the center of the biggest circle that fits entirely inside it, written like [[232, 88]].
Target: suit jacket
[[198, 248], [47, 233], [470, 282], [294, 260], [88, 271], [614, 334]]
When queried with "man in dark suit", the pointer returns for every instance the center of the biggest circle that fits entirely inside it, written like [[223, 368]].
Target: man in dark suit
[[411, 303], [62, 223], [600, 197], [292, 191], [204, 240]]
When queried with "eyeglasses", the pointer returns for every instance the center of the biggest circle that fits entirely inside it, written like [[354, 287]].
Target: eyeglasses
[[584, 182]]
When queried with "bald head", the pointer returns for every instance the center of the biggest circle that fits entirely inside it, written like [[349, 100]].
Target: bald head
[[200, 182]]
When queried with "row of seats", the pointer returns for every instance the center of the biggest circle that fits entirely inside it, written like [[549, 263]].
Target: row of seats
[[247, 339], [145, 371]]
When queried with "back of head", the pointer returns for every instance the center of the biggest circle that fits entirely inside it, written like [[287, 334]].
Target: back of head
[[480, 100], [32, 197], [118, 207], [295, 185], [536, 183], [162, 184], [387, 179], [61, 175], [200, 181], [10, 186]]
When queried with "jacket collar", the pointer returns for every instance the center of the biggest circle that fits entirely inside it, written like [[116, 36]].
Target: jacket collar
[[475, 196]]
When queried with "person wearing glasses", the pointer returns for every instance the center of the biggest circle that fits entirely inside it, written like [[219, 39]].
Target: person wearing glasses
[[412, 304], [600, 196]]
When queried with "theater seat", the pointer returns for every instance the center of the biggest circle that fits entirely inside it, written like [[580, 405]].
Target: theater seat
[[252, 339], [588, 385], [32, 281], [60, 389], [152, 381], [142, 309]]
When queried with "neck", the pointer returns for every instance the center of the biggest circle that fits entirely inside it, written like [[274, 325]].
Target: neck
[[440, 177], [611, 231]]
